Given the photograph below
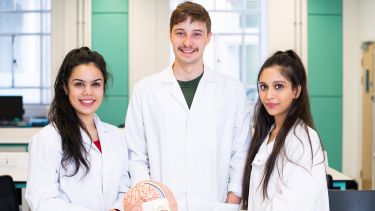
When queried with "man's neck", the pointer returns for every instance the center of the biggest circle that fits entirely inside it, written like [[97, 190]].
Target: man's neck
[[187, 72]]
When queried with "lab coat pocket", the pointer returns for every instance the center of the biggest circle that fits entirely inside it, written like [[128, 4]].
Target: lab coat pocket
[[226, 207]]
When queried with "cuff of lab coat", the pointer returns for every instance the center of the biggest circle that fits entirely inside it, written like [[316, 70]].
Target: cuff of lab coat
[[236, 189]]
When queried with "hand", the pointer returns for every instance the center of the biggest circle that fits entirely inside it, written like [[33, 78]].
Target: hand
[[232, 198]]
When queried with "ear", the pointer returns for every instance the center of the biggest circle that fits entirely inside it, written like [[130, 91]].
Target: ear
[[208, 38], [297, 91], [66, 90]]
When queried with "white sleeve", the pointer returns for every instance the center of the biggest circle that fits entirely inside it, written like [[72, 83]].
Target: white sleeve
[[303, 185], [42, 189], [240, 143], [136, 140]]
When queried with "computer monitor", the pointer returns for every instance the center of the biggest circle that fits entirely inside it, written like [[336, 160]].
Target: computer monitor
[[11, 108]]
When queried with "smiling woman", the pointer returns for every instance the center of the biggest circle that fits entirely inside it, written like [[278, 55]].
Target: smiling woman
[[65, 165]]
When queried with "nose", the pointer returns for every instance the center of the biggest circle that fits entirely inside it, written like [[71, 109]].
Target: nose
[[187, 40], [87, 90], [270, 93]]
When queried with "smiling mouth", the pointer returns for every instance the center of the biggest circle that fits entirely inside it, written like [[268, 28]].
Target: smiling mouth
[[188, 50], [87, 102]]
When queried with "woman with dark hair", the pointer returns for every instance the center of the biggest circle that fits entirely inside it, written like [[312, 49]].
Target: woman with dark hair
[[285, 167], [78, 162]]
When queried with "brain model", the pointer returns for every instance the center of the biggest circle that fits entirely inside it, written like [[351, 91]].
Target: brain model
[[149, 196]]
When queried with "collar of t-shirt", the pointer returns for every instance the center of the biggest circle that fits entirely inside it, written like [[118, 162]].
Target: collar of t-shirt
[[188, 88]]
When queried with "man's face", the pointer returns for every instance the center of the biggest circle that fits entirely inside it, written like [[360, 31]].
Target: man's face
[[188, 41]]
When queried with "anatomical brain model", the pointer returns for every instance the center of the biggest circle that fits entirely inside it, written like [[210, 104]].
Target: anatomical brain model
[[149, 196]]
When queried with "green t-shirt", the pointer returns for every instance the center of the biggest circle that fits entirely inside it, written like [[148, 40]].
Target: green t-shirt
[[188, 89]]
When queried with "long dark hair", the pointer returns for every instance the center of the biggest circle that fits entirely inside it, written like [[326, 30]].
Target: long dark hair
[[298, 112], [63, 116]]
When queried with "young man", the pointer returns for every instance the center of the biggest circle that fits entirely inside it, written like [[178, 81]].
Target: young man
[[187, 126]]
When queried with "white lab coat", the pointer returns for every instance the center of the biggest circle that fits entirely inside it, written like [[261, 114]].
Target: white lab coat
[[102, 189], [199, 153], [303, 185]]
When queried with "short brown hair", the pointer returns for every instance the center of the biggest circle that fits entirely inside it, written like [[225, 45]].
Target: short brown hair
[[189, 9]]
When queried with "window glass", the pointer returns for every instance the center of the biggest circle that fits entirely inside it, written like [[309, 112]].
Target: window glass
[[46, 60], [29, 95], [28, 4], [27, 62], [46, 23], [5, 60], [20, 23], [6, 5], [46, 5], [25, 49]]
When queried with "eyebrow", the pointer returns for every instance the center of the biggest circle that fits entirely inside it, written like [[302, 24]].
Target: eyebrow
[[194, 30], [283, 82], [273, 82], [80, 80]]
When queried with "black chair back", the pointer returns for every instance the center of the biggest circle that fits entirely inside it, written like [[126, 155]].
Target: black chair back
[[8, 195], [351, 200]]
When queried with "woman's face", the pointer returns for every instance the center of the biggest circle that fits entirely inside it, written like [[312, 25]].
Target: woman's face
[[276, 92], [85, 90]]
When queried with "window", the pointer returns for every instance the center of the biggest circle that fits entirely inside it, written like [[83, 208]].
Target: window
[[236, 47], [25, 49]]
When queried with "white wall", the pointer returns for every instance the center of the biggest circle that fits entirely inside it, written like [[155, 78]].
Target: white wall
[[287, 27], [351, 163], [148, 38]]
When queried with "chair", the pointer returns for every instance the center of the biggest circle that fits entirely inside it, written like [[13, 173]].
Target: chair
[[351, 200], [8, 195]]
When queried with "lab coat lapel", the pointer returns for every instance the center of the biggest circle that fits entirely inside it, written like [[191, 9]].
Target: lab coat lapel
[[207, 79], [178, 95], [175, 89], [105, 155]]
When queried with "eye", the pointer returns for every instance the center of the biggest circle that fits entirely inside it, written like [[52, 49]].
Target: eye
[[279, 86], [262, 86], [79, 84], [180, 33], [96, 84], [197, 34]]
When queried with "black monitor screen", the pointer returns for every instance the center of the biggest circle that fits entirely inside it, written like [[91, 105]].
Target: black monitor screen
[[11, 108]]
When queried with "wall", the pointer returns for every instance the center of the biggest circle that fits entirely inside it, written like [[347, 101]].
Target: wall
[[110, 38], [148, 38], [287, 27]]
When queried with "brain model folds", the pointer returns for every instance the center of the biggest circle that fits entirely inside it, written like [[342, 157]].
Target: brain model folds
[[149, 196]]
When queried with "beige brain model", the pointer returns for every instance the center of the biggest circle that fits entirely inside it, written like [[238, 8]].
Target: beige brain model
[[149, 195]]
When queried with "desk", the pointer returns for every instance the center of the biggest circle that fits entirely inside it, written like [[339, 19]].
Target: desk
[[15, 164], [342, 181], [16, 139], [14, 157]]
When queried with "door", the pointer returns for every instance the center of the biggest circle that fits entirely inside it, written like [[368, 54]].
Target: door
[[368, 102]]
